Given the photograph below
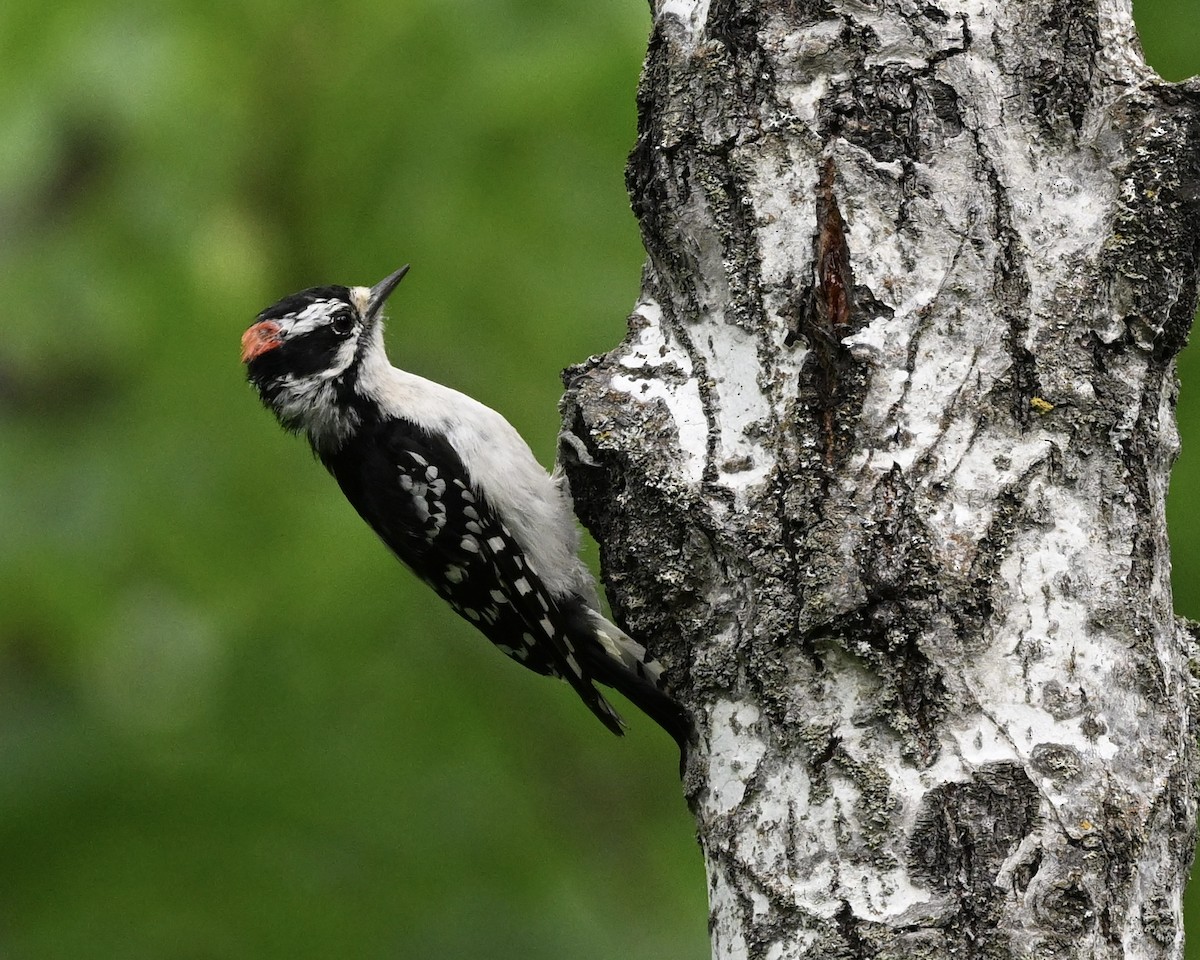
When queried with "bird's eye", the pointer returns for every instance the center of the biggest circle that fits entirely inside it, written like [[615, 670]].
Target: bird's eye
[[342, 323]]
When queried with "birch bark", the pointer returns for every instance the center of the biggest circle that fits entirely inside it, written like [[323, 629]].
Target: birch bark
[[879, 469]]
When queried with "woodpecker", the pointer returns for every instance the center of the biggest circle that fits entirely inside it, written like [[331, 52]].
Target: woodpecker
[[453, 491]]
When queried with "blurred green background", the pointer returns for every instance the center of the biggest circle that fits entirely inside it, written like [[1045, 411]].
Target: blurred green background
[[230, 726]]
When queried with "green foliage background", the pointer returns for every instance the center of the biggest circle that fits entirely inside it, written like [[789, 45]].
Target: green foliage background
[[230, 726]]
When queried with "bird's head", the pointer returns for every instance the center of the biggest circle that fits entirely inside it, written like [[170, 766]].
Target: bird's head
[[304, 353]]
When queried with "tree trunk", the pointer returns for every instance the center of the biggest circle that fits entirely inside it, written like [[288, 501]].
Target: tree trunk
[[879, 470]]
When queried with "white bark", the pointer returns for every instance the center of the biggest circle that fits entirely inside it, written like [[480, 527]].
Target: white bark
[[906, 558]]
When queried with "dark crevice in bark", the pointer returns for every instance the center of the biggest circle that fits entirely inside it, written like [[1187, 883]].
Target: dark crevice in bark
[[1160, 186], [972, 610], [848, 927], [831, 316], [729, 204], [963, 834], [735, 25], [893, 111], [1011, 288], [1057, 83], [647, 185], [912, 697]]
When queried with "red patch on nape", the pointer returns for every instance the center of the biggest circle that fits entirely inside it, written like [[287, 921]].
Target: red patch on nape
[[259, 339]]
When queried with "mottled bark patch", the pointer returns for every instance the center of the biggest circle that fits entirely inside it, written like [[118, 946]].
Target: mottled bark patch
[[964, 833]]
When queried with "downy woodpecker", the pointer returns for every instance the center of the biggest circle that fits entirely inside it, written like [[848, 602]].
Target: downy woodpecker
[[452, 489]]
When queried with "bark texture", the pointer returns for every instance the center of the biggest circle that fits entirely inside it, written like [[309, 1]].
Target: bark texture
[[879, 471]]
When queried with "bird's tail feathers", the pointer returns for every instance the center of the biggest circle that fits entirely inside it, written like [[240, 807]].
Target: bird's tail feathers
[[605, 711], [625, 650], [620, 662]]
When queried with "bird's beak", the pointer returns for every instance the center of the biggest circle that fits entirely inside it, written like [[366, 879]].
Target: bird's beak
[[260, 338], [382, 290]]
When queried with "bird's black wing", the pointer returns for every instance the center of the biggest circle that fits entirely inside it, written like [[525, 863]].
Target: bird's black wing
[[411, 487]]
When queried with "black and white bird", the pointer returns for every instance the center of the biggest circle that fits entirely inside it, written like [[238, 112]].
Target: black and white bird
[[452, 489]]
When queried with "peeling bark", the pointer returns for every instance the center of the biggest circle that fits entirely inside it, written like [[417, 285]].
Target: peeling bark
[[879, 470]]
